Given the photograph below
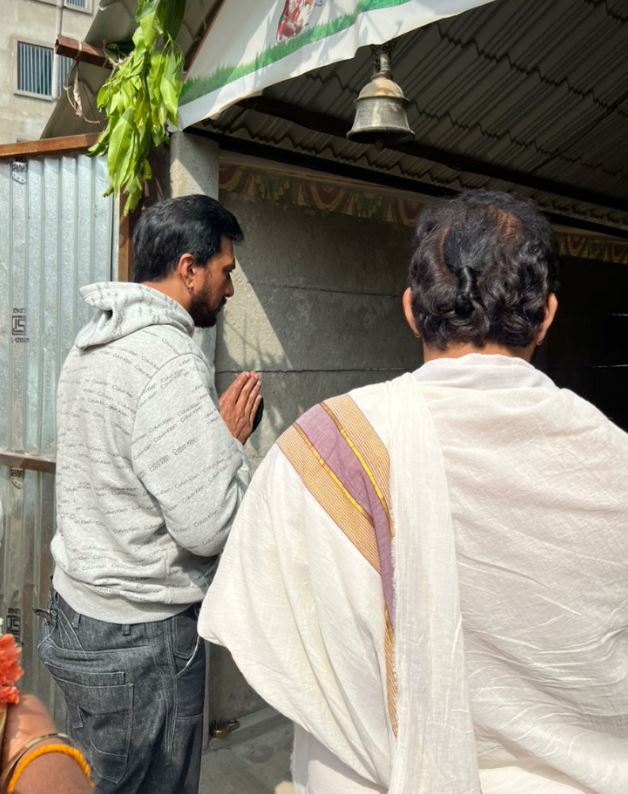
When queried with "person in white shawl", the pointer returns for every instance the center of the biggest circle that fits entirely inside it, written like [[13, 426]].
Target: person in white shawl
[[429, 576]]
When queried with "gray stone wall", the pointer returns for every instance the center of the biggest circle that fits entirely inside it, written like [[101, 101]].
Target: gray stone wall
[[317, 308]]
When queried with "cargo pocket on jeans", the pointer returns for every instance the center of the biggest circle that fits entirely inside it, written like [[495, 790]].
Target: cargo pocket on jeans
[[100, 714]]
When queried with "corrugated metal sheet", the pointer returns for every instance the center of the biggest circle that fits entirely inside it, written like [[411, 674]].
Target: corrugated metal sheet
[[538, 87], [541, 88], [57, 236], [252, 126]]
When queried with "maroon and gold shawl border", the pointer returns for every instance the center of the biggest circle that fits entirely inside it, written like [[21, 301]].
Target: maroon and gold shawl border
[[344, 464]]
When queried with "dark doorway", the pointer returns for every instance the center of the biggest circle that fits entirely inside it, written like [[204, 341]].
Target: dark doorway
[[588, 346]]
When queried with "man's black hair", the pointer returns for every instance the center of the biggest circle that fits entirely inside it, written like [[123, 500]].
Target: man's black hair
[[483, 266], [186, 225]]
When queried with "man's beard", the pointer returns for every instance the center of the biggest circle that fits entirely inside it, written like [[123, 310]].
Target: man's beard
[[201, 313]]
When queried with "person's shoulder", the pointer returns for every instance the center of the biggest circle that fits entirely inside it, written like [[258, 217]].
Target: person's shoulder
[[360, 414], [166, 338], [589, 416], [357, 400], [166, 344]]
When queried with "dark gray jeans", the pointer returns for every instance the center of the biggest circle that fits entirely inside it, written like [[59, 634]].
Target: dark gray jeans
[[134, 695]]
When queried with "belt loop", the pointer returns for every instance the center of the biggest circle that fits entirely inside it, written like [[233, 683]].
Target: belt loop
[[76, 619], [126, 629]]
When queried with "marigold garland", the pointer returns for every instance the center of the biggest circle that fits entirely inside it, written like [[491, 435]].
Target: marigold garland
[[10, 670]]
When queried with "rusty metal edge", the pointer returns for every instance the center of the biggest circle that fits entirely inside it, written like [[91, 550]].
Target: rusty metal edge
[[22, 460]]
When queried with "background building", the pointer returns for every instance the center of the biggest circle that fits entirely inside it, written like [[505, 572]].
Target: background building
[[31, 76]]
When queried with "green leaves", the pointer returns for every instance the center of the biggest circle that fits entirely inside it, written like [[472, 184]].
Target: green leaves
[[171, 15], [141, 96]]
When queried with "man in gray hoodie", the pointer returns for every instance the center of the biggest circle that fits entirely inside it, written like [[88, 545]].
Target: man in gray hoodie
[[150, 474]]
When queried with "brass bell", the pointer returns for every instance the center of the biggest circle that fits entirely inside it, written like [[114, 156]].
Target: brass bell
[[380, 115]]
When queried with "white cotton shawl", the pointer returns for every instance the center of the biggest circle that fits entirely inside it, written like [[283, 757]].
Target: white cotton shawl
[[510, 508], [435, 751]]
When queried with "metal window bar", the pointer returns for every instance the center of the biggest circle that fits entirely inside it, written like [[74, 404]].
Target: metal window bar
[[34, 68], [65, 67], [76, 3]]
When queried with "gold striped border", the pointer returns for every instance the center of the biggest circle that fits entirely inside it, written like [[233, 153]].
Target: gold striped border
[[329, 492], [374, 459], [341, 507], [391, 683], [366, 444]]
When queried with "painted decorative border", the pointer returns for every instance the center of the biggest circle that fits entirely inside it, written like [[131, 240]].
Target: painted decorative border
[[323, 196], [599, 248], [373, 205]]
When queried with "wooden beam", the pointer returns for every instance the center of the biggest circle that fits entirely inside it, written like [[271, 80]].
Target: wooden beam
[[126, 225], [21, 460], [81, 51], [338, 127], [67, 143]]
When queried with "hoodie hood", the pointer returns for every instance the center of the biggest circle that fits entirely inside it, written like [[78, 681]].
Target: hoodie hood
[[124, 308]]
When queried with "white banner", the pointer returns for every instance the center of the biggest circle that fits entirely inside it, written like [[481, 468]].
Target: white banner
[[254, 44]]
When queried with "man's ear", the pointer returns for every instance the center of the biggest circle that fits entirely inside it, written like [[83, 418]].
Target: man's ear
[[185, 270], [407, 310], [551, 306]]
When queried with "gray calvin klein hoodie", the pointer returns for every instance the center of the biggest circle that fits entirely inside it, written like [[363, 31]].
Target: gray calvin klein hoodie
[[148, 477]]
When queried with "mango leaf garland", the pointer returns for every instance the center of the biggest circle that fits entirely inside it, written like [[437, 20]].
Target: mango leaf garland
[[141, 96]]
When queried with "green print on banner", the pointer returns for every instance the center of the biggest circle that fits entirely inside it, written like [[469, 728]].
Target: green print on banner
[[201, 86]]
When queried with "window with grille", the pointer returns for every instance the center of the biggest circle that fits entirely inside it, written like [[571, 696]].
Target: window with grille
[[77, 3], [65, 66], [34, 69]]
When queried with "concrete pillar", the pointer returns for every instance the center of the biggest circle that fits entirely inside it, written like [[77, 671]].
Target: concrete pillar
[[193, 165], [194, 169]]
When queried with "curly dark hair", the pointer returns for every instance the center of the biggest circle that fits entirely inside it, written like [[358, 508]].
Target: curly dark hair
[[483, 265]]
